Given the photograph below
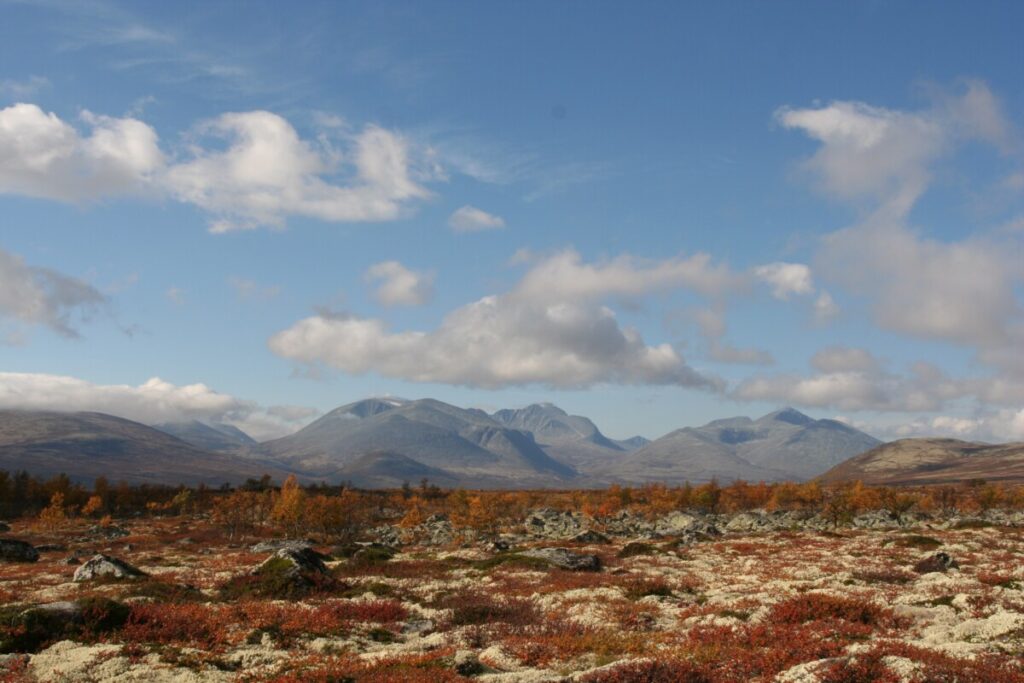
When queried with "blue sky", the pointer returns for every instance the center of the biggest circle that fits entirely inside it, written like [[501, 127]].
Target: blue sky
[[653, 214]]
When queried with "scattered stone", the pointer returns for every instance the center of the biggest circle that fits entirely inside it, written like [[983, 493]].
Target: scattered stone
[[637, 548], [466, 663], [499, 545], [675, 523], [418, 627], [939, 562], [300, 561], [750, 522], [71, 560], [12, 550], [591, 537], [549, 523], [565, 559], [101, 565], [274, 546], [109, 532]]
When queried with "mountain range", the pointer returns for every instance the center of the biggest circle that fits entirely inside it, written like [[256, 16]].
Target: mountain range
[[383, 442], [89, 445]]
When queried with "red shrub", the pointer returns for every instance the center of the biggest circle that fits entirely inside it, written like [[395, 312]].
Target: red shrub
[[668, 671], [193, 625], [819, 606]]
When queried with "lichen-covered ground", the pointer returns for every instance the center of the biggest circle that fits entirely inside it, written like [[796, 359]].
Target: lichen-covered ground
[[788, 605]]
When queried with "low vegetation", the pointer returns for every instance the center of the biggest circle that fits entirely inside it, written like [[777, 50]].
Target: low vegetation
[[749, 582]]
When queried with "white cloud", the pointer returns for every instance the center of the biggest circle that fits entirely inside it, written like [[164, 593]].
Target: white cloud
[[551, 330], [400, 286], [994, 427], [786, 279], [964, 292], [154, 401], [886, 155], [852, 379], [42, 156], [255, 169], [471, 219], [267, 172], [31, 295], [961, 292], [564, 275], [825, 307]]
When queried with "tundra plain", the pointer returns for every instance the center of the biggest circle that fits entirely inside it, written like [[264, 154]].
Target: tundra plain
[[628, 587]]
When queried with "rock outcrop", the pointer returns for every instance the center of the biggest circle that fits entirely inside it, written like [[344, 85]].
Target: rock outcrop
[[105, 566], [12, 550]]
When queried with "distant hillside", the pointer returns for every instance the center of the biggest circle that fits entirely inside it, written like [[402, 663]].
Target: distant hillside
[[467, 444], [391, 470], [88, 445], [783, 445], [932, 461], [573, 439], [208, 436]]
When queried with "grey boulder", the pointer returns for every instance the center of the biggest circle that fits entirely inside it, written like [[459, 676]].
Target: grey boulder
[[565, 559], [12, 550], [105, 566]]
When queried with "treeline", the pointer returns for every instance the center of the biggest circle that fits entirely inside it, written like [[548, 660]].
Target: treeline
[[341, 511]]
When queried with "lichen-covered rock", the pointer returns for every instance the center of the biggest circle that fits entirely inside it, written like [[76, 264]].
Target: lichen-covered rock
[[109, 532], [750, 522], [548, 523], [565, 559], [105, 566], [590, 537], [296, 561], [13, 550], [281, 544]]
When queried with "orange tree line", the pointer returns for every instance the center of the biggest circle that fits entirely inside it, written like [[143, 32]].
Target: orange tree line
[[343, 510]]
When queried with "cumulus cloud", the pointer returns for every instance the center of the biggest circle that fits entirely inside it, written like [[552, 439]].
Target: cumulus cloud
[[825, 307], [400, 286], [32, 295], [564, 275], [552, 329], [154, 401], [853, 379], [994, 426], [247, 169], [267, 172], [786, 279], [43, 156], [471, 219], [965, 292], [958, 291]]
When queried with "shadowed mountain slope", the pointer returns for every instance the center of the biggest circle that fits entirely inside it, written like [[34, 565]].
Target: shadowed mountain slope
[[467, 444], [88, 445], [783, 445], [209, 437]]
